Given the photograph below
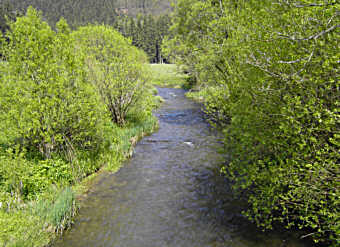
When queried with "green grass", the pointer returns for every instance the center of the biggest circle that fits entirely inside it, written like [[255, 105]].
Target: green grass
[[21, 228], [36, 222], [167, 75], [125, 140]]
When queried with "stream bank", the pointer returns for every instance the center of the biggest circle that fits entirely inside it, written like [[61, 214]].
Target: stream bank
[[170, 193]]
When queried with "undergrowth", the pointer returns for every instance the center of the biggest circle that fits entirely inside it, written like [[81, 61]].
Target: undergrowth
[[34, 220]]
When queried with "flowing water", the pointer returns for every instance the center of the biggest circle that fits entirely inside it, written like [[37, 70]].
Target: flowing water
[[170, 193]]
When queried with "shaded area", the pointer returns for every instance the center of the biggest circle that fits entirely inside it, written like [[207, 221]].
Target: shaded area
[[170, 194]]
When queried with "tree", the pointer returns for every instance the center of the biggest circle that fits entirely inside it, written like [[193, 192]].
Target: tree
[[147, 33], [46, 105], [116, 69], [268, 72], [6, 14]]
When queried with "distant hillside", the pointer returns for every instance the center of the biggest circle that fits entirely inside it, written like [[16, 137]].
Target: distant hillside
[[153, 7], [146, 30], [78, 12]]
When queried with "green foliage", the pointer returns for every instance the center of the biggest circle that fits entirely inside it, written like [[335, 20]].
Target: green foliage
[[55, 129], [46, 106], [22, 229], [21, 178], [214, 99], [145, 22], [33, 224], [57, 208], [269, 72], [124, 139], [116, 68]]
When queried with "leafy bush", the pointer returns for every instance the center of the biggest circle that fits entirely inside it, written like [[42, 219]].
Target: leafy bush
[[20, 178], [55, 129], [45, 104], [116, 69], [271, 69]]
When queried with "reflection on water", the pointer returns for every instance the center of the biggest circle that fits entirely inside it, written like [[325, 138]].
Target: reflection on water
[[170, 193]]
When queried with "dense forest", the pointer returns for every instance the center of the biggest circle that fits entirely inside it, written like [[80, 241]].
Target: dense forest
[[147, 33], [268, 73], [145, 22], [80, 12], [7, 13]]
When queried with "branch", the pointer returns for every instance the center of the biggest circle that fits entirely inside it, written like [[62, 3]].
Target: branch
[[313, 5], [264, 68], [310, 234], [285, 77], [304, 66], [221, 7], [222, 72], [314, 36], [331, 19], [291, 62], [324, 32]]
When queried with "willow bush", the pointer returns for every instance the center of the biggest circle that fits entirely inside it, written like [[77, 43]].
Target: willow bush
[[58, 90], [269, 71], [46, 106], [116, 69]]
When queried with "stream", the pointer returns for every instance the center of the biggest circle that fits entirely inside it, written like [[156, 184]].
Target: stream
[[170, 193]]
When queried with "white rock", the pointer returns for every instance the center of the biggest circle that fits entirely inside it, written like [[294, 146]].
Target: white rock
[[189, 144]]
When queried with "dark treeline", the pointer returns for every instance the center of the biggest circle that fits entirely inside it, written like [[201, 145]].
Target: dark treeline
[[80, 12], [145, 22], [6, 13], [76, 12], [147, 33], [134, 7]]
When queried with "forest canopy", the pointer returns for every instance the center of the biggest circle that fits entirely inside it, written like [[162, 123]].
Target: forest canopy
[[80, 12], [144, 22]]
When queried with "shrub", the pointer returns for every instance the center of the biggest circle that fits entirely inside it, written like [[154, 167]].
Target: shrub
[[115, 68], [272, 70], [45, 105]]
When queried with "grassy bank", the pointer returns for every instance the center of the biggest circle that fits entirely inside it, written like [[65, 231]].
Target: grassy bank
[[170, 75], [76, 108], [38, 221], [167, 75]]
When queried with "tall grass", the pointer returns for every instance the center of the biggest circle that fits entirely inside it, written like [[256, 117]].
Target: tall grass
[[125, 139], [58, 210]]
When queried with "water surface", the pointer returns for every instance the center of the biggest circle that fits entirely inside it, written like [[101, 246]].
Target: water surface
[[170, 193]]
